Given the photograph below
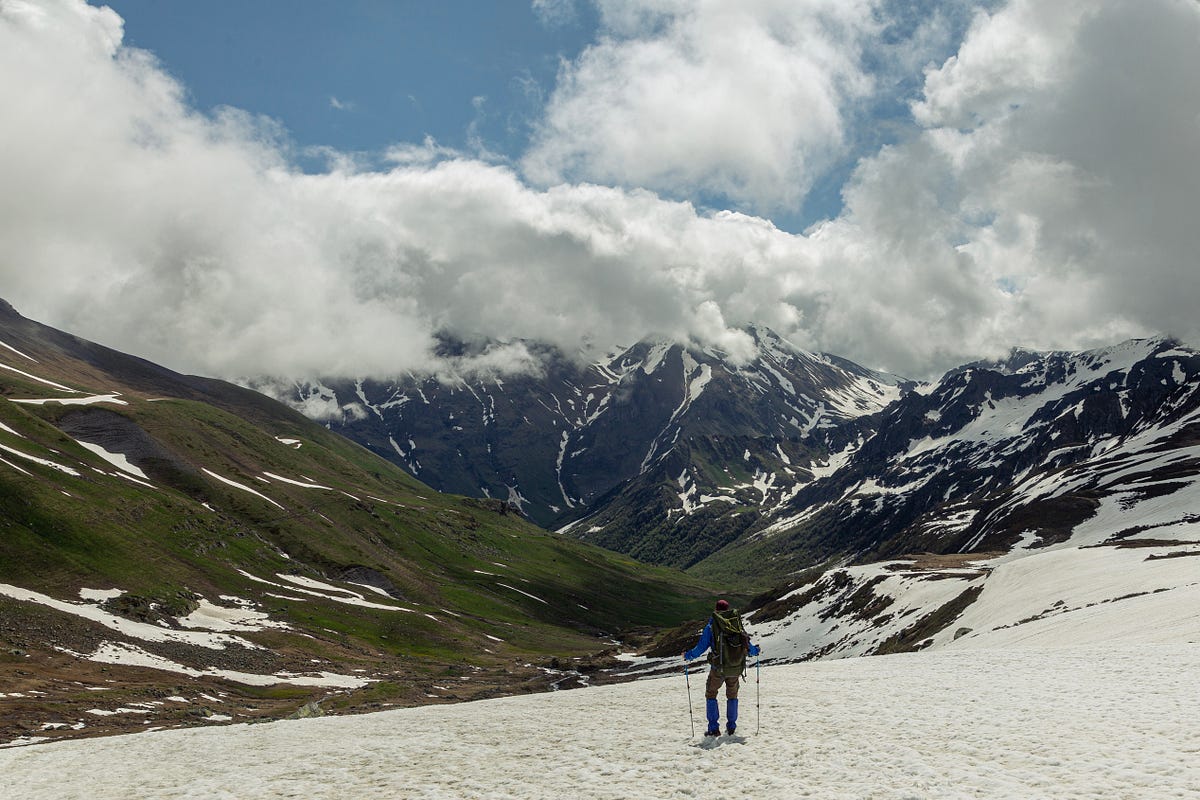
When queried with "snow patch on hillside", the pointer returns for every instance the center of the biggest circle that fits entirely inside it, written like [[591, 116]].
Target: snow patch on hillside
[[237, 485], [654, 358], [113, 398], [118, 460], [43, 461], [1083, 596], [132, 655], [1073, 593], [10, 348], [323, 590], [100, 595], [137, 630], [209, 616], [31, 377], [854, 610], [293, 482]]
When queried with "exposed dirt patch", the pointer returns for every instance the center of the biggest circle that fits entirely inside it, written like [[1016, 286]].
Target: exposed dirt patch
[[1126, 544], [53, 695], [932, 562], [916, 636], [862, 604], [1053, 520], [1177, 554], [674, 641], [831, 584], [768, 607], [117, 433]]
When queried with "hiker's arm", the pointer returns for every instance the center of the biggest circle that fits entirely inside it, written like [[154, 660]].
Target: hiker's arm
[[704, 643]]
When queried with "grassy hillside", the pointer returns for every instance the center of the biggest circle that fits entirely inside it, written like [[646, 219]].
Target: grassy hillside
[[213, 496]]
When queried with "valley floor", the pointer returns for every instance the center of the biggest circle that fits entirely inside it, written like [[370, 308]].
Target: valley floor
[[1083, 722]]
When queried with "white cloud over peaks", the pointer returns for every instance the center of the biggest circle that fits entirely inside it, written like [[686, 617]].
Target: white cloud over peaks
[[131, 219], [1045, 196], [742, 100], [1050, 197]]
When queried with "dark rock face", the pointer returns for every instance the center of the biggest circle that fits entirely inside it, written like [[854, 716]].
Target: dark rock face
[[118, 433], [996, 454], [630, 448], [679, 456]]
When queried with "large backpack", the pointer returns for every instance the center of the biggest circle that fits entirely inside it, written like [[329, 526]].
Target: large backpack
[[731, 643]]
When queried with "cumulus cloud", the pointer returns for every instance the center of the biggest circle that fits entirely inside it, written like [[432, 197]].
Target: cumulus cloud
[[132, 219], [741, 100], [1044, 196], [1047, 199]]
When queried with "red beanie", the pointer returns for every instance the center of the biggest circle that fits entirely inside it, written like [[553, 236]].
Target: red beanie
[[722, 605]]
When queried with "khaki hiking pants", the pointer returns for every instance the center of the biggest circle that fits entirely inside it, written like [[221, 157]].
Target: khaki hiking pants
[[715, 679]]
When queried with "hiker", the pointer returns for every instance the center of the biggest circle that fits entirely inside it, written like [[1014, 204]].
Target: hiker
[[730, 645]]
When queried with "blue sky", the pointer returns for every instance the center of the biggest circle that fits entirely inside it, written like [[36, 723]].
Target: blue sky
[[360, 75], [301, 188]]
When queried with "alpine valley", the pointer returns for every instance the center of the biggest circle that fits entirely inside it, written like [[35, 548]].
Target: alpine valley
[[179, 551], [872, 513]]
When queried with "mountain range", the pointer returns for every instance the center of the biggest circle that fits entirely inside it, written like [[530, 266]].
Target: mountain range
[[662, 451], [195, 550], [679, 456], [1046, 498], [871, 511]]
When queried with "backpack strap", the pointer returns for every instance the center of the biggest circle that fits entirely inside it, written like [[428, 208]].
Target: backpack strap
[[718, 655]]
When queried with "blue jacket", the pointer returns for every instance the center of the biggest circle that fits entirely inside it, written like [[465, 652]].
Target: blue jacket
[[706, 641]]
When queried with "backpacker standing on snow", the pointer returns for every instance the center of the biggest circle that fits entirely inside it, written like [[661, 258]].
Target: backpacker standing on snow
[[730, 645]]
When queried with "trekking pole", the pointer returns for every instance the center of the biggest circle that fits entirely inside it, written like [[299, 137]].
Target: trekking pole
[[757, 695], [688, 678]]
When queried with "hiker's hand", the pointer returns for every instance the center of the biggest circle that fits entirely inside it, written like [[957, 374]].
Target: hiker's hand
[[683, 655]]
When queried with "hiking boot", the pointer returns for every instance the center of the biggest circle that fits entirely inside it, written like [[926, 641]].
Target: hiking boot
[[712, 733], [729, 731]]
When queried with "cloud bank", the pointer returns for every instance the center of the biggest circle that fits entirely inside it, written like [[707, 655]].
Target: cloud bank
[[1044, 195], [744, 100]]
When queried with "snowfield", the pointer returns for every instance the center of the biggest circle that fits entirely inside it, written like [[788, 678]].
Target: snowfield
[[1077, 722]]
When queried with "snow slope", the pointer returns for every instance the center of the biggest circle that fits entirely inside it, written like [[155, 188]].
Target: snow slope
[[1111, 722], [1043, 598]]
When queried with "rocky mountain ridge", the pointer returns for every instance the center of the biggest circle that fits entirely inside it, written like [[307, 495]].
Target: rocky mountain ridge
[[628, 452], [741, 471], [987, 456], [1050, 500]]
